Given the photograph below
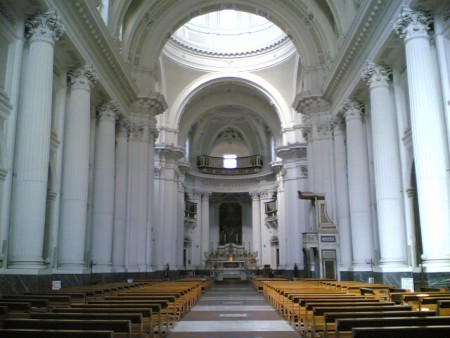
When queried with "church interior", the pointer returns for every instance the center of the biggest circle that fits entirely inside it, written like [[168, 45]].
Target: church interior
[[224, 140]]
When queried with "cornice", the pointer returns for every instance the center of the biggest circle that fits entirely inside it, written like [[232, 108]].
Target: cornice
[[84, 27], [355, 42], [292, 151]]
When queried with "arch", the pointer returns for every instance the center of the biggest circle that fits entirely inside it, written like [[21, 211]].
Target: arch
[[312, 38], [256, 82]]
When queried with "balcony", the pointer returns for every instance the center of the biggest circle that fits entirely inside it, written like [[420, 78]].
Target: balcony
[[243, 166]]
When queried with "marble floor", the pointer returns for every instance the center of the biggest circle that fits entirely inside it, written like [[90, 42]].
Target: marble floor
[[232, 310]]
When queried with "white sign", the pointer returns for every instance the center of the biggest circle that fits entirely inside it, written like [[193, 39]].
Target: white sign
[[56, 285], [408, 283]]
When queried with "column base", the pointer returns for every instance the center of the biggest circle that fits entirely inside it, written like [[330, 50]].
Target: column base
[[27, 264]]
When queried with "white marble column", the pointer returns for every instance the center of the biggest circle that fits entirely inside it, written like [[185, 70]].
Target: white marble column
[[206, 242], [387, 168], [104, 179], [138, 194], [151, 215], [120, 194], [293, 222], [429, 139], [29, 190], [76, 169], [256, 225], [358, 184], [342, 202]]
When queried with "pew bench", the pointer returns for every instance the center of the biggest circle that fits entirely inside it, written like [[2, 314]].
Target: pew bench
[[145, 313], [441, 331], [17, 309], [166, 311], [35, 304], [312, 317], [135, 319], [156, 320], [121, 328], [443, 307], [52, 300], [345, 326], [316, 324], [331, 317], [38, 333]]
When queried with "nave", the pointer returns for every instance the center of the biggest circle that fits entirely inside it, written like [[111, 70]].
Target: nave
[[232, 309]]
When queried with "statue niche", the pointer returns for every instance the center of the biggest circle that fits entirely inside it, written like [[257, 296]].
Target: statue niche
[[230, 223]]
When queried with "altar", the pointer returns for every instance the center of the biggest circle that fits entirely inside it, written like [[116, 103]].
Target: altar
[[230, 261]]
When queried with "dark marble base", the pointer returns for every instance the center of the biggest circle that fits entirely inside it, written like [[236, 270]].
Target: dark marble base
[[357, 276], [19, 284], [432, 280]]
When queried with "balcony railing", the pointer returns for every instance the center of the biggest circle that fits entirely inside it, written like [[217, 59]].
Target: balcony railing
[[244, 165]]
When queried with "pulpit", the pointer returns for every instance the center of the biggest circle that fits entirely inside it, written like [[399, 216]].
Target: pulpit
[[230, 261]]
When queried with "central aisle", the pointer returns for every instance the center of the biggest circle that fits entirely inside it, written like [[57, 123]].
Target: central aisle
[[232, 310]]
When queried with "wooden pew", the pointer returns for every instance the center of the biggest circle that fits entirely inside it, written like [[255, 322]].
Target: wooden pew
[[443, 307], [38, 333], [52, 300], [330, 317], [156, 321], [121, 328], [316, 323], [307, 305], [17, 308], [313, 319], [344, 326], [75, 297], [442, 331], [36, 304], [145, 313], [136, 319]]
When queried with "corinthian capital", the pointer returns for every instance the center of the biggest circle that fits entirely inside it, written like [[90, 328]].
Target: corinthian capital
[[108, 111], [45, 26], [352, 109], [377, 75], [413, 23], [84, 76]]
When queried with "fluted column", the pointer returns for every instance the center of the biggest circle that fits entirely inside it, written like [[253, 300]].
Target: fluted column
[[256, 224], [151, 214], [120, 194], [429, 138], [138, 194], [104, 177], [342, 202], [358, 183], [206, 243], [29, 191], [76, 169], [386, 156]]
